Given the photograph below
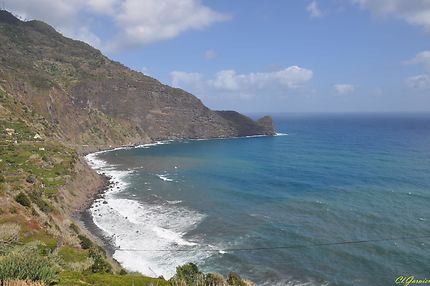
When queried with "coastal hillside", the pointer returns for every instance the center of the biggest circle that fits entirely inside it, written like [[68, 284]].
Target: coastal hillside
[[93, 102], [59, 98]]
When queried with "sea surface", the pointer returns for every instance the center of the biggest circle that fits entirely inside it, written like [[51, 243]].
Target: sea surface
[[275, 208]]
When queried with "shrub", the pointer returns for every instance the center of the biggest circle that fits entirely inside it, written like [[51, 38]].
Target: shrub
[[214, 279], [187, 275], [235, 280], [85, 242], [41, 203], [22, 199], [31, 179], [26, 264], [2, 179], [123, 272], [100, 265], [74, 227], [9, 232]]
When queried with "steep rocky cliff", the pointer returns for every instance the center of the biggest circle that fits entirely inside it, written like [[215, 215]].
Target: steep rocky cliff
[[93, 102]]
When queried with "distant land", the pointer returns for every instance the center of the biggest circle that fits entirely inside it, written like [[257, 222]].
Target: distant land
[[60, 99]]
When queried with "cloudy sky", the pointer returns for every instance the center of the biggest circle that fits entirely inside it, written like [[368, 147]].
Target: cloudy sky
[[268, 56]]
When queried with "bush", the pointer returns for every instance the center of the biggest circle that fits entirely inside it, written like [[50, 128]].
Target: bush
[[85, 242], [22, 199], [26, 264], [100, 265], [235, 280], [214, 279], [74, 227], [41, 203], [187, 275]]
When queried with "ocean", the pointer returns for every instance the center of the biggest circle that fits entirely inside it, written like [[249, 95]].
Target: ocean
[[277, 210]]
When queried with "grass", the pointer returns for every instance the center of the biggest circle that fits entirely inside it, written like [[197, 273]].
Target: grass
[[106, 279], [25, 263], [73, 255], [49, 163], [48, 243]]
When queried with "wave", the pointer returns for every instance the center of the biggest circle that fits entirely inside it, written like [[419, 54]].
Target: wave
[[174, 202], [164, 178], [281, 134], [146, 236]]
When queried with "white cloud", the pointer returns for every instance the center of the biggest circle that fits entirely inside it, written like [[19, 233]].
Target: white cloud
[[415, 12], [244, 85], [145, 71], [343, 88], [210, 54], [420, 82], [291, 77], [187, 80], [106, 7], [137, 22], [314, 9], [422, 58], [148, 21]]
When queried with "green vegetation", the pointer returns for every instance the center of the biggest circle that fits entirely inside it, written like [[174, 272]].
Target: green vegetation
[[74, 227], [190, 275], [71, 255], [85, 242], [100, 265], [22, 199], [106, 279], [25, 263], [235, 280], [39, 116]]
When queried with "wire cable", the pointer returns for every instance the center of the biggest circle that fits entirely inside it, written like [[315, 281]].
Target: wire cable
[[280, 247]]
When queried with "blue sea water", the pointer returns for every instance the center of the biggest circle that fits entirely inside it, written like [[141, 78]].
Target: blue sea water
[[221, 203]]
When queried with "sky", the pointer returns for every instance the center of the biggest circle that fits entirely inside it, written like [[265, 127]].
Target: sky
[[263, 56]]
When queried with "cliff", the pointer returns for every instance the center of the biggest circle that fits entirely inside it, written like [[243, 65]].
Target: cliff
[[92, 101], [58, 98]]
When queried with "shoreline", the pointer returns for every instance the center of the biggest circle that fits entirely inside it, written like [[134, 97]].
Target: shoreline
[[85, 219], [83, 215]]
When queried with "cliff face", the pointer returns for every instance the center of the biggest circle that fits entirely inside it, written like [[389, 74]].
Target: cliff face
[[91, 101]]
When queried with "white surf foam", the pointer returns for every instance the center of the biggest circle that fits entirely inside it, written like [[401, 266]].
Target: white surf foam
[[174, 202], [148, 145], [147, 236], [164, 178], [281, 134]]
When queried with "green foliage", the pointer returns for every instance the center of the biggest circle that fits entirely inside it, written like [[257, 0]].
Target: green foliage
[[26, 264], [214, 279], [72, 255], [235, 280], [9, 235], [22, 199], [107, 279], [100, 265], [85, 242], [187, 275], [44, 206], [74, 227]]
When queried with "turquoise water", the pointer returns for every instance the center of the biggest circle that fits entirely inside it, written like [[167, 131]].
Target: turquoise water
[[333, 178]]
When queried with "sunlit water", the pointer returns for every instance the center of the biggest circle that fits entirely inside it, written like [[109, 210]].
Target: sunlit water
[[333, 178]]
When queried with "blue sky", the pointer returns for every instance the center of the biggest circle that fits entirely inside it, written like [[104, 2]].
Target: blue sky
[[263, 56]]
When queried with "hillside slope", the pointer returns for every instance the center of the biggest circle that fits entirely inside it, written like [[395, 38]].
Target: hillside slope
[[59, 98], [93, 101]]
